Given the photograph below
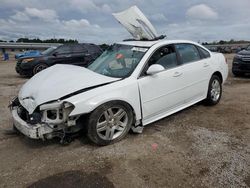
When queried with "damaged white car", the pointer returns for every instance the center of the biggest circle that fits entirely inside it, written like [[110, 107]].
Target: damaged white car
[[130, 85]]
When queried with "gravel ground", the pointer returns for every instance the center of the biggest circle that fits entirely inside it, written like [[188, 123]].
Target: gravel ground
[[197, 147]]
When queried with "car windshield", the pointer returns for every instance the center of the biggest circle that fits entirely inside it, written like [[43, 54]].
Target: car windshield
[[118, 61], [46, 52], [248, 48]]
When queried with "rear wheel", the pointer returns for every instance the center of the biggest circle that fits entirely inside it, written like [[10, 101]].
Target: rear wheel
[[38, 68], [214, 90], [110, 122]]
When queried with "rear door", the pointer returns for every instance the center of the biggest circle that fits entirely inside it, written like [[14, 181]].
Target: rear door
[[79, 53], [196, 71], [62, 55]]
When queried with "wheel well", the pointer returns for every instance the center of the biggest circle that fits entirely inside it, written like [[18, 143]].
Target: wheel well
[[217, 73], [84, 117]]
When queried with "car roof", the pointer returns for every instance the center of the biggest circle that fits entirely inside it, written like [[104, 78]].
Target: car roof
[[151, 43]]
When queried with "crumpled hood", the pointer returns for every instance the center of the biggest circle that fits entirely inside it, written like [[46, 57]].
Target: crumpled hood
[[56, 82]]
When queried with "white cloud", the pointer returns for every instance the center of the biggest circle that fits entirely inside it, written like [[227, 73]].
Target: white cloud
[[106, 8], [159, 17], [76, 23], [20, 16], [84, 5], [45, 14], [27, 14], [201, 12]]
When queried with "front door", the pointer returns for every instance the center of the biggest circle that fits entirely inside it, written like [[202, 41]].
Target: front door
[[162, 92]]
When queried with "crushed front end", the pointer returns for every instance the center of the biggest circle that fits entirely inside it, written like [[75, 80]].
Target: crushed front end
[[47, 121]]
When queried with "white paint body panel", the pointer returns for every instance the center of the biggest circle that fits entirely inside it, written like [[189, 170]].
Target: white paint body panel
[[58, 81], [151, 97]]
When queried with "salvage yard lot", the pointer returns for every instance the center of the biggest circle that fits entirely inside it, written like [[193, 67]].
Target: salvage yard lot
[[197, 147]]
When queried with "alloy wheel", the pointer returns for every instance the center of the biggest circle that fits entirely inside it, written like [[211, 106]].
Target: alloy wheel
[[215, 90], [112, 123]]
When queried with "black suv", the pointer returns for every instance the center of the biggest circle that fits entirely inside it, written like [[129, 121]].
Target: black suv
[[75, 54], [241, 62]]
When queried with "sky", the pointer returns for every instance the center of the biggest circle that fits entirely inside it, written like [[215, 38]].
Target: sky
[[92, 20]]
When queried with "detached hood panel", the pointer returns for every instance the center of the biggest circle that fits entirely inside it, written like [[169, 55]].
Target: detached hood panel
[[136, 23], [56, 82]]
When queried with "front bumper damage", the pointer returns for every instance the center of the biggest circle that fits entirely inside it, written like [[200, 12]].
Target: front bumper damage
[[37, 131], [49, 121]]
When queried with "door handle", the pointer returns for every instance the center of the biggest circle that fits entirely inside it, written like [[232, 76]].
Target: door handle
[[205, 65], [177, 74], [68, 56]]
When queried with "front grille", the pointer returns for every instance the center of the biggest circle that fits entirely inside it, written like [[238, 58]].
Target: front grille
[[246, 59], [18, 63]]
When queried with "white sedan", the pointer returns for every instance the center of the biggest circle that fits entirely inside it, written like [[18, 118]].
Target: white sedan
[[132, 84]]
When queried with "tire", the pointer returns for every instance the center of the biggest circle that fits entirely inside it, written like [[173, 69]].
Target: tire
[[38, 68], [237, 74], [214, 91], [109, 123]]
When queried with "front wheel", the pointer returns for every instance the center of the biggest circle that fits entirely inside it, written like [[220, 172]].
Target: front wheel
[[110, 122], [38, 68], [214, 90]]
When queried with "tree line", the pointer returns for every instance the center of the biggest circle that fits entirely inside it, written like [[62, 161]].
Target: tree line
[[37, 40], [221, 42]]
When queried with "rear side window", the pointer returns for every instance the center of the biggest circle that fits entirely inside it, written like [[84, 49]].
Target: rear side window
[[78, 49], [188, 53], [63, 49], [92, 49], [204, 53]]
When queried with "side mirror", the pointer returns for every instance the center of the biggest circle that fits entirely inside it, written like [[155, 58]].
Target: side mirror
[[155, 68]]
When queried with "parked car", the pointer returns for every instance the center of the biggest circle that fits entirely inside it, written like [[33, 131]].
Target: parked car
[[30, 53], [212, 48], [132, 84], [227, 50], [241, 62], [75, 54]]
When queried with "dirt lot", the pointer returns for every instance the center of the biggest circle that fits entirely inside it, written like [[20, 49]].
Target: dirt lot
[[198, 147]]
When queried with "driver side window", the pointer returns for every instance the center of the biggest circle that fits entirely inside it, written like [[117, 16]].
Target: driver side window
[[165, 56]]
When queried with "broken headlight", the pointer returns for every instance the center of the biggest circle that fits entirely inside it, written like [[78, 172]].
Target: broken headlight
[[56, 113]]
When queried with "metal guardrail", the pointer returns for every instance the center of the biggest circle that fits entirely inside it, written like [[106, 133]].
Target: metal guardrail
[[13, 45]]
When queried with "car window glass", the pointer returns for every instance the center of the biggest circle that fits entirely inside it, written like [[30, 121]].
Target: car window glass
[[204, 53], [118, 60], [92, 48], [63, 49], [78, 49], [164, 56], [188, 53]]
